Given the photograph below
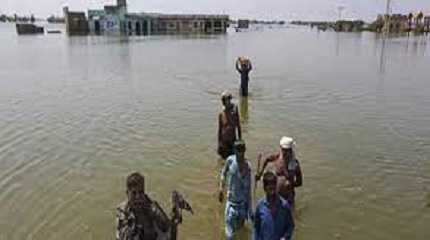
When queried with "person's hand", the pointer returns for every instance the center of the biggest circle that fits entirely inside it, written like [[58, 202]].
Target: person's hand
[[221, 196], [257, 177]]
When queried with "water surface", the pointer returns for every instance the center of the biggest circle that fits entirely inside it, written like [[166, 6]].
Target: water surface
[[79, 114]]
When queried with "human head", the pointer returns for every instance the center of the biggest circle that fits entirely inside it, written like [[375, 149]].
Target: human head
[[240, 148], [269, 184], [135, 189], [286, 145], [226, 98]]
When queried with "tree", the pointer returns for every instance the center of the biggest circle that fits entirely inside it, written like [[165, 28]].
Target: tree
[[420, 17], [410, 19]]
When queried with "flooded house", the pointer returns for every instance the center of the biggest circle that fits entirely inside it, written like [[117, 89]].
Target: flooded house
[[115, 19], [76, 22]]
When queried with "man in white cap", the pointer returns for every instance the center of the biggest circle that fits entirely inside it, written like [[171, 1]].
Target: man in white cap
[[229, 129], [286, 167]]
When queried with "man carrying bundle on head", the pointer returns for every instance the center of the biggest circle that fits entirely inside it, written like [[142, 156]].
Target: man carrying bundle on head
[[244, 67]]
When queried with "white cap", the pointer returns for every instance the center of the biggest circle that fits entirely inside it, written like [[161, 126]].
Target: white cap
[[226, 94], [286, 143]]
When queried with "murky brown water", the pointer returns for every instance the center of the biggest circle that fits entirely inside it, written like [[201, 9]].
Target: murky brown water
[[78, 114]]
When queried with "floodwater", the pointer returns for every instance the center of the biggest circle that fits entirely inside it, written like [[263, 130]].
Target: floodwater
[[79, 114]]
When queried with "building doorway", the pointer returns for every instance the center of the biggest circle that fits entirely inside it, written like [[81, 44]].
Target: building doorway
[[145, 28], [208, 26], [130, 28], [97, 28], [138, 28]]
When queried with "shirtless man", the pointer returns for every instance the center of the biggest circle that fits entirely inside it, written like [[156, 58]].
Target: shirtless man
[[229, 129], [286, 167]]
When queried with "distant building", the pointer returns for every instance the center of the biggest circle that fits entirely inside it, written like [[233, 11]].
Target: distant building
[[243, 23], [76, 22], [348, 26], [115, 19], [185, 24]]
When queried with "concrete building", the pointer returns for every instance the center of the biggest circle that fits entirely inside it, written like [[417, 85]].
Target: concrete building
[[76, 22], [188, 24], [116, 20]]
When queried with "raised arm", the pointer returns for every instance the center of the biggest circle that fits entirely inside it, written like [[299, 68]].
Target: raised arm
[[266, 162], [237, 67]]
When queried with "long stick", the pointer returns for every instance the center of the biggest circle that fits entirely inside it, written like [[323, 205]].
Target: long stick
[[256, 182]]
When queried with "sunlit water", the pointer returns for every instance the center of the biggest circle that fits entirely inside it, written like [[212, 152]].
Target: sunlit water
[[79, 114]]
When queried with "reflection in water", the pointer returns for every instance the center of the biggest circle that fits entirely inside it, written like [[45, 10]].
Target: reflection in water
[[382, 60], [243, 108]]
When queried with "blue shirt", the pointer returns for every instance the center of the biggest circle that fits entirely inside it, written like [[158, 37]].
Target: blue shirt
[[239, 187], [268, 226]]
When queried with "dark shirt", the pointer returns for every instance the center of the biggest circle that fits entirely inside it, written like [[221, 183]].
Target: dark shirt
[[244, 73]]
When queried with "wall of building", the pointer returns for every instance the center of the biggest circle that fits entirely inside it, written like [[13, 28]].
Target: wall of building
[[189, 25], [76, 22]]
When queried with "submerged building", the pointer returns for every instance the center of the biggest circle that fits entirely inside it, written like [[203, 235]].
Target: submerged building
[[76, 22], [115, 19]]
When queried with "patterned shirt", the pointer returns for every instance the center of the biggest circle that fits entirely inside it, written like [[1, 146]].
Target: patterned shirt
[[141, 226], [239, 187]]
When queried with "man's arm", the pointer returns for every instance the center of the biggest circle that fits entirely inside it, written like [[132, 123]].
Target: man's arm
[[123, 232], [298, 182], [237, 67], [223, 178], [239, 128], [257, 224], [289, 229], [160, 217], [219, 127], [250, 67], [250, 212], [268, 160]]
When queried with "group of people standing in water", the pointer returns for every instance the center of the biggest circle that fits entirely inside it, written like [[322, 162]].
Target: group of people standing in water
[[272, 218], [140, 218]]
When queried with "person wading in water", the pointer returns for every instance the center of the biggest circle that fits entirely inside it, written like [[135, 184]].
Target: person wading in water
[[229, 129], [140, 218], [236, 177], [287, 169], [244, 67], [272, 219]]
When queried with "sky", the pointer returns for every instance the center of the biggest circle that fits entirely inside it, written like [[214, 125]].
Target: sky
[[254, 9]]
